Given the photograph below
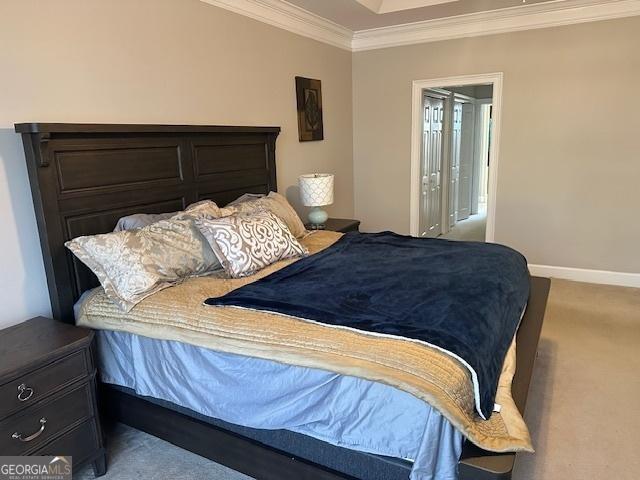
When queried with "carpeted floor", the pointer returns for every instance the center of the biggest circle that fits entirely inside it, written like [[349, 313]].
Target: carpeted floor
[[135, 455], [584, 402], [583, 410], [471, 229]]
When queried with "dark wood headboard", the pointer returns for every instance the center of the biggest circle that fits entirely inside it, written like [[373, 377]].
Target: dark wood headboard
[[84, 177]]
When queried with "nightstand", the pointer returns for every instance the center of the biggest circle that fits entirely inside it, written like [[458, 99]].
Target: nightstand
[[343, 225], [48, 393]]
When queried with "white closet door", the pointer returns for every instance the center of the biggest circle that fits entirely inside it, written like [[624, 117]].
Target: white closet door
[[431, 200], [465, 165]]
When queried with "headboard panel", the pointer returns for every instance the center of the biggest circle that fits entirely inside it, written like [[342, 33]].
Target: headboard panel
[[84, 177]]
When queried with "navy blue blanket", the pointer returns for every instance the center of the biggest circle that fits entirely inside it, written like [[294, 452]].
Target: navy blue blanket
[[463, 297]]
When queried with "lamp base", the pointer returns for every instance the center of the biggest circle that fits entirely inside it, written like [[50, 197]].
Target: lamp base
[[317, 217]]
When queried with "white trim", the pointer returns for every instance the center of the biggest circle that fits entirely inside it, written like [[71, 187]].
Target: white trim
[[289, 17], [605, 277], [416, 143], [513, 19]]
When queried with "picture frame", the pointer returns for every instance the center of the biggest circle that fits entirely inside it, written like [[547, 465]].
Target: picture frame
[[309, 103]]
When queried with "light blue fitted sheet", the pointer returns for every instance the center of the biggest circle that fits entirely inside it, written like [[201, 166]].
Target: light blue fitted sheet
[[342, 410]]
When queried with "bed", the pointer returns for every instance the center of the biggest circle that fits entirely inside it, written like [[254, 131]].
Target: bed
[[85, 177]]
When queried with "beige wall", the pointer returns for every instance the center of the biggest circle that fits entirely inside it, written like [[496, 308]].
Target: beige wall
[[153, 61], [569, 168], [569, 172]]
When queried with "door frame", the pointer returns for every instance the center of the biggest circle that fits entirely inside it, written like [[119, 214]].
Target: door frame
[[478, 130], [416, 141]]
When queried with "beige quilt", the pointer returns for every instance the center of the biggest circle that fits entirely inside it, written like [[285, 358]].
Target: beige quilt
[[178, 313]]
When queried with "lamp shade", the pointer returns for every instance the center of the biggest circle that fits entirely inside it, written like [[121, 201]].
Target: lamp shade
[[316, 189]]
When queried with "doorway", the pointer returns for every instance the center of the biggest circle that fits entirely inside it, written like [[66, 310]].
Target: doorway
[[455, 138], [456, 130]]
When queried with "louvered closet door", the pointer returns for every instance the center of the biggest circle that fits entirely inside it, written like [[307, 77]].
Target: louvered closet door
[[431, 204]]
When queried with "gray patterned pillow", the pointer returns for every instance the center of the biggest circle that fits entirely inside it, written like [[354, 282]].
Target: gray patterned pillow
[[247, 242], [275, 203], [133, 264], [139, 220]]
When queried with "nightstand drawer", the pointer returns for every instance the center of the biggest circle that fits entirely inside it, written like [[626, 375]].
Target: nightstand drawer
[[36, 385], [36, 425], [81, 443]]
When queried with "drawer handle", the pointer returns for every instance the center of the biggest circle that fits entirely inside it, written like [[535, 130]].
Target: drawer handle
[[24, 392], [18, 436]]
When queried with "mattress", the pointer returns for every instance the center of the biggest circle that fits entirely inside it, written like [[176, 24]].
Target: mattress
[[315, 414]]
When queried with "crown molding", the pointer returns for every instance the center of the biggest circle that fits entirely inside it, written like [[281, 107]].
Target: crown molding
[[538, 15], [282, 14], [289, 17]]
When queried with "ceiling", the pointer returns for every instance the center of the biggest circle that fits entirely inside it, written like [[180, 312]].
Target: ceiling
[[365, 14]]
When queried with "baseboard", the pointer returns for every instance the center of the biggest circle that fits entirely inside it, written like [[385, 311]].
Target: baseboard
[[605, 277]]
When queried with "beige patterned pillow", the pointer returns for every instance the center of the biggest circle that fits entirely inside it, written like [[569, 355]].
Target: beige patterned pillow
[[203, 208], [274, 202], [245, 243], [133, 264]]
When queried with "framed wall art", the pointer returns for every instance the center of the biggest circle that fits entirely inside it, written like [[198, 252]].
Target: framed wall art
[[309, 99]]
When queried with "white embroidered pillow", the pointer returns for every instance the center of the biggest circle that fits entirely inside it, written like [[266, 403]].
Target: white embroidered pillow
[[133, 264], [246, 243]]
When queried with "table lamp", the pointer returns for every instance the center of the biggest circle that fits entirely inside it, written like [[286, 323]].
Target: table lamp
[[316, 190]]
